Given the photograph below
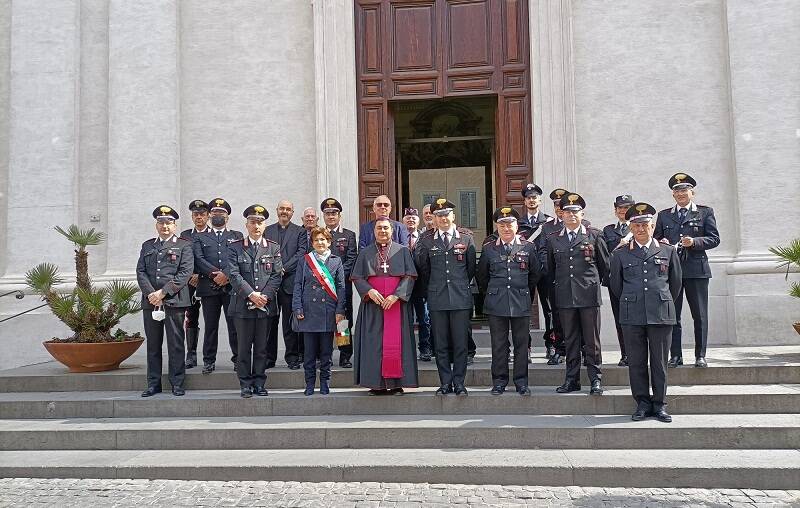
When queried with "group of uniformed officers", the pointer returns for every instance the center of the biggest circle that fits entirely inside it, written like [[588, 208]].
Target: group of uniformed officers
[[647, 260]]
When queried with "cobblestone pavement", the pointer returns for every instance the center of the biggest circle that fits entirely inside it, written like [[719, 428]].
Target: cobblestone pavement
[[100, 493]]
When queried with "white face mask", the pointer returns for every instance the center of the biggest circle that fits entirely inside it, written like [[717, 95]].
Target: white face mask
[[158, 314]]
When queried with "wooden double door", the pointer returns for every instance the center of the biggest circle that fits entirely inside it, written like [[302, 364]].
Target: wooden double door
[[436, 49]]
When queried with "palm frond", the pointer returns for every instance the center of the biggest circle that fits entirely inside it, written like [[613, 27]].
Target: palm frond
[[92, 300], [82, 238], [790, 255], [795, 290], [43, 277], [121, 291]]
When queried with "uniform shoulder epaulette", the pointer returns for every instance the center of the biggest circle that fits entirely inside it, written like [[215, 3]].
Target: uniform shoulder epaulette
[[703, 206], [185, 238], [427, 233], [233, 242], [593, 229], [185, 233], [552, 233], [489, 239], [267, 239], [464, 231]]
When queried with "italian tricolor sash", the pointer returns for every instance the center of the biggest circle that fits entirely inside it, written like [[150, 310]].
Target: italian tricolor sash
[[322, 274]]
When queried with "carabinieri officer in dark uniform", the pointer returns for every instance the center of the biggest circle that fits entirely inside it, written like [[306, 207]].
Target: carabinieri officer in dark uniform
[[507, 274], [446, 264], [254, 268], [646, 278], [693, 230], [163, 270], [554, 337], [199, 209], [577, 260], [211, 260], [616, 235]]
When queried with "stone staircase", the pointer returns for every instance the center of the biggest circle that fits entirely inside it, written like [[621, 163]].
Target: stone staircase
[[736, 425]]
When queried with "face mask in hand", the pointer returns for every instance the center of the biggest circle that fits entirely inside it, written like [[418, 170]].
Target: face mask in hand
[[158, 314], [217, 221]]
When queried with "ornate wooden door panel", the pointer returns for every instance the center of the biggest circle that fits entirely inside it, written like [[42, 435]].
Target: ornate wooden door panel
[[430, 49]]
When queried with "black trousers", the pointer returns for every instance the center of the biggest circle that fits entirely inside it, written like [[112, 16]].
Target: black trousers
[[582, 324], [554, 336], [697, 295], [615, 310], [291, 339], [251, 358], [213, 306], [450, 329], [193, 312], [317, 345], [498, 328], [154, 331], [643, 343]]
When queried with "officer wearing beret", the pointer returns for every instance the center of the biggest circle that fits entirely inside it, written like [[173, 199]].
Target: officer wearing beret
[[199, 209], [616, 235], [345, 246], [692, 229], [211, 260], [507, 274], [577, 261], [163, 271], [530, 228], [646, 278], [254, 267], [446, 264]]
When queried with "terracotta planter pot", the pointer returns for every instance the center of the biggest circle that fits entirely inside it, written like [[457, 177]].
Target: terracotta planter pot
[[92, 357], [796, 327]]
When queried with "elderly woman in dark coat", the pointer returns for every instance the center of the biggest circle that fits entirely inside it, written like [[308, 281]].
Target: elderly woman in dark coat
[[318, 303]]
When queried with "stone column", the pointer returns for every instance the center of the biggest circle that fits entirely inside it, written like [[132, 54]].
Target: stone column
[[143, 118], [5, 108], [42, 129], [553, 95], [335, 78]]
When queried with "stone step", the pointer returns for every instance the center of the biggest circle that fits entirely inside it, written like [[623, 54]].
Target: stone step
[[744, 431], [617, 400], [54, 377], [756, 469]]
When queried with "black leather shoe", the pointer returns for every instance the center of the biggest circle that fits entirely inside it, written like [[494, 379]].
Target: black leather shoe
[[151, 390], [550, 352], [444, 390], [597, 388], [397, 391], [674, 362], [294, 366], [569, 386], [555, 359], [191, 360], [662, 416], [498, 390], [623, 362], [178, 391], [701, 362], [460, 390], [643, 410], [524, 391], [246, 392], [270, 364], [324, 387], [347, 364], [260, 391], [309, 390], [470, 359], [208, 368], [424, 357]]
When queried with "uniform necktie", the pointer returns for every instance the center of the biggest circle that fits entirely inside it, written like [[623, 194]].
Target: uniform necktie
[[682, 214], [219, 235], [623, 229], [571, 236], [507, 247], [412, 242], [446, 239], [644, 249]]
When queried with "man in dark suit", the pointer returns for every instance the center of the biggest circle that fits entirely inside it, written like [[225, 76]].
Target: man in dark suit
[[646, 278], [507, 274], [616, 235], [419, 305], [345, 246], [254, 265], [381, 207], [292, 239], [446, 264], [199, 209], [692, 229], [211, 262], [577, 259], [162, 271]]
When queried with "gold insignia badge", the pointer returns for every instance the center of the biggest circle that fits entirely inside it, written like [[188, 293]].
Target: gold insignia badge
[[680, 177], [198, 203], [331, 202], [641, 208], [220, 202], [505, 210], [259, 209], [165, 209], [441, 201], [560, 192], [572, 198]]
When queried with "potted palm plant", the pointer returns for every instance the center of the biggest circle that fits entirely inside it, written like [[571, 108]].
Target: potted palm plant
[[790, 257], [90, 311]]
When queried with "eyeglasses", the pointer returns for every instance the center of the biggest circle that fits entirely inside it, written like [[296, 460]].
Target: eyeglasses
[[383, 205]]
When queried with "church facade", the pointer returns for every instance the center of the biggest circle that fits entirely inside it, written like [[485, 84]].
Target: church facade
[[111, 107]]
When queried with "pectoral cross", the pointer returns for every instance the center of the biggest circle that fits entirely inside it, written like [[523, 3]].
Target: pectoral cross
[[385, 266]]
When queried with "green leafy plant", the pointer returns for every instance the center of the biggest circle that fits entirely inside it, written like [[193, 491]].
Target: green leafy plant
[[790, 256], [88, 311]]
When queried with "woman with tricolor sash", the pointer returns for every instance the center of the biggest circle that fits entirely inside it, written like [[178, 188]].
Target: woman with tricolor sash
[[318, 303]]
